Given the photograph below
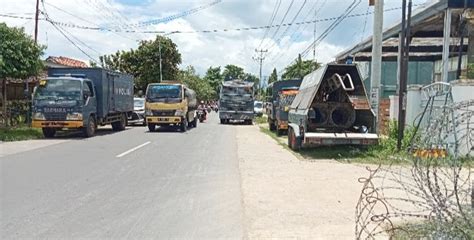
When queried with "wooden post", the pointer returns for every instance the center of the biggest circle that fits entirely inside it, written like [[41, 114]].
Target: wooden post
[[4, 100]]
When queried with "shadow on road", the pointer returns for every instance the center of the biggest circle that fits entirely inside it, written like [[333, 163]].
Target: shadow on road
[[78, 135]]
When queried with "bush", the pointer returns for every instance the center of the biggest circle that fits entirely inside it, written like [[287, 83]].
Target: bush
[[388, 144]]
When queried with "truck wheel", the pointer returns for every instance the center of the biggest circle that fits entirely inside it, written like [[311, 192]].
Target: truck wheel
[[293, 142], [184, 126], [49, 132], [248, 121], [222, 121], [271, 126], [279, 132], [193, 123], [89, 129], [151, 127], [120, 125]]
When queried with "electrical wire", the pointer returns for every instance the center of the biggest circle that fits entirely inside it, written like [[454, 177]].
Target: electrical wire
[[62, 32], [282, 20], [272, 18], [288, 27], [296, 35], [222, 30]]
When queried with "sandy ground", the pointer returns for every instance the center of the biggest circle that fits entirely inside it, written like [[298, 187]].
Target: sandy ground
[[288, 198]]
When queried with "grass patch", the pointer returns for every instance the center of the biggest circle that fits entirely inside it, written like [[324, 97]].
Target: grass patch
[[19, 134], [261, 119], [457, 229]]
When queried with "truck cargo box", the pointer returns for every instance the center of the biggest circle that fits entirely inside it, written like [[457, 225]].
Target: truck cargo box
[[114, 90]]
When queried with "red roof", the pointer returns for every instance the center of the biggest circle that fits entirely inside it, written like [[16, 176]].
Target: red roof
[[67, 61]]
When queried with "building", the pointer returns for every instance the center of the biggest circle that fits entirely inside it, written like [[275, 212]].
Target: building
[[434, 54]]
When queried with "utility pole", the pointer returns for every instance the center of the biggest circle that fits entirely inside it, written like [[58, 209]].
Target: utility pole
[[260, 59], [27, 87], [404, 52], [159, 50], [376, 71]]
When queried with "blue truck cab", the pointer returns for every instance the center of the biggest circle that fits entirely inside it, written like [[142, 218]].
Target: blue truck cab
[[82, 99]]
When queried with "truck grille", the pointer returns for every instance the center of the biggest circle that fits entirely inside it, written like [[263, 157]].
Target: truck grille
[[55, 116], [163, 112]]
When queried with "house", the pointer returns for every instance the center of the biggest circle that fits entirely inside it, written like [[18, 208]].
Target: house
[[16, 87], [434, 55]]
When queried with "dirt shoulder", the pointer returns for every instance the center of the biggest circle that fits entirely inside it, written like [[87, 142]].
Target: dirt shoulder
[[285, 197]]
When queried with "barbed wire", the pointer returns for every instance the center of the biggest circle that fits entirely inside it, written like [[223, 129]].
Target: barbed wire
[[429, 194]]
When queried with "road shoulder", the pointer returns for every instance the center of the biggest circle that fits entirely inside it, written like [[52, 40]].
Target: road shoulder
[[10, 148], [285, 197]]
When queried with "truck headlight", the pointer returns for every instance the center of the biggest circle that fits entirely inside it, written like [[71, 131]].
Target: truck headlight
[[38, 116], [178, 112], [148, 112], [74, 116]]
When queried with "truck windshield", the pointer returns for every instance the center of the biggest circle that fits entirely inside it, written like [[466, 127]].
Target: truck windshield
[[139, 103], [58, 89], [163, 91], [233, 91]]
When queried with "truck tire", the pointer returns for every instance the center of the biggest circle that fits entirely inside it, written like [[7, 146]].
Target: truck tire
[[89, 129], [151, 127], [193, 123], [184, 125], [271, 125], [49, 132], [248, 121], [293, 142], [279, 131], [120, 125], [222, 121]]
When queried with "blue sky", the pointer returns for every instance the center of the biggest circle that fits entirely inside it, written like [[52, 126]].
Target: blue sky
[[201, 49]]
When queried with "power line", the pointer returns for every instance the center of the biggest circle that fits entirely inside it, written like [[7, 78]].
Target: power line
[[296, 36], [61, 31], [288, 27], [329, 29], [272, 18], [83, 19], [222, 30], [179, 15], [283, 19]]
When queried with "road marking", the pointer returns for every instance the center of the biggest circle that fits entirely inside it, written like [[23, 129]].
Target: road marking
[[133, 149]]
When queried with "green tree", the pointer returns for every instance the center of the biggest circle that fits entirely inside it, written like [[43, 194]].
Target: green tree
[[144, 62], [300, 68], [214, 77], [273, 77], [19, 56], [203, 89], [251, 78], [232, 72]]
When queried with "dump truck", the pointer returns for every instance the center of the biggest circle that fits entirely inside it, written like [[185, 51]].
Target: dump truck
[[82, 98], [236, 101], [282, 94], [331, 108], [170, 104]]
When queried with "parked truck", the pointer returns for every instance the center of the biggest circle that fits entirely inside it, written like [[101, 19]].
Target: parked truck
[[170, 104], [282, 94], [331, 108], [82, 98], [236, 101]]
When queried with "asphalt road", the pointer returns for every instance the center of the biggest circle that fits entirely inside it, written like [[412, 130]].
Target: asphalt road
[[132, 184]]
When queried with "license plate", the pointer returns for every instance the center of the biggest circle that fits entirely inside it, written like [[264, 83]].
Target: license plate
[[163, 119]]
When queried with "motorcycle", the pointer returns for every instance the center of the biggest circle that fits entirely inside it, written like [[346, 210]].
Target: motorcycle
[[202, 115]]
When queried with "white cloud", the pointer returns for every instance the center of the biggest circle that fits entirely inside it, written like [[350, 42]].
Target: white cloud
[[198, 49]]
